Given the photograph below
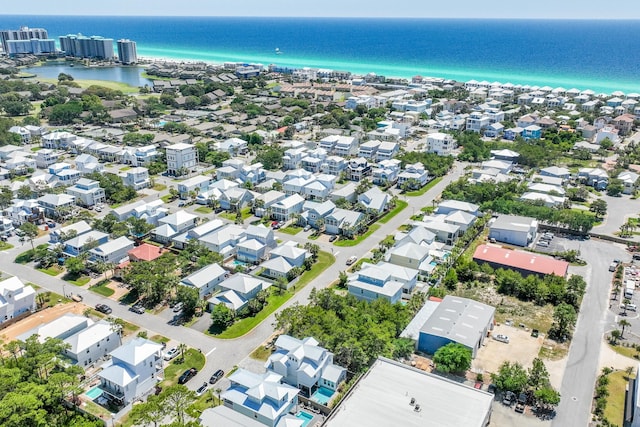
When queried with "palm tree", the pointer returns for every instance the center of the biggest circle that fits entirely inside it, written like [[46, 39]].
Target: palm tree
[[624, 323], [182, 348]]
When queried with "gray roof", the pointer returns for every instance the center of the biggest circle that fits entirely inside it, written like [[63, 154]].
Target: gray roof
[[513, 223], [382, 397], [459, 319], [222, 416], [412, 331], [203, 276], [136, 351]]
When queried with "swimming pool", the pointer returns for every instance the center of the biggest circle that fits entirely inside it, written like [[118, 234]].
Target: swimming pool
[[322, 395], [305, 417], [94, 393]]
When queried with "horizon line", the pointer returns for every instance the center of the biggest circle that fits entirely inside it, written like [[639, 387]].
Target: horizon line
[[458, 18]]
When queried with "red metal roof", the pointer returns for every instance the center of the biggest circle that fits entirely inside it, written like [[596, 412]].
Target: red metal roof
[[146, 252], [520, 260]]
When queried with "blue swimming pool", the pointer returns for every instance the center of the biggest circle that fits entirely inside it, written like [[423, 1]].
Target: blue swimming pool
[[322, 395], [94, 393], [305, 417]]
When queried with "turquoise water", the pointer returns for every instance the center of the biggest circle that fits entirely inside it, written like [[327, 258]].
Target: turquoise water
[[241, 263], [587, 54], [94, 393], [129, 75], [304, 416], [322, 395]]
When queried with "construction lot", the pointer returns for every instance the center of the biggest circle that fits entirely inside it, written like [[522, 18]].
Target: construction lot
[[522, 348], [40, 318]]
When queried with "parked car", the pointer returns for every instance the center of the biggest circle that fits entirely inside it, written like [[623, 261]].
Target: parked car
[[216, 376], [535, 333], [307, 227], [333, 238], [177, 307], [543, 243], [171, 354], [51, 224], [501, 338], [522, 401], [182, 203], [98, 209], [201, 389], [352, 259], [137, 309], [103, 308], [509, 398], [631, 307], [187, 375]]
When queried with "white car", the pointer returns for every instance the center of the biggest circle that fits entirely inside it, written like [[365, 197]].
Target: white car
[[543, 243], [170, 354], [631, 307], [501, 338], [352, 259]]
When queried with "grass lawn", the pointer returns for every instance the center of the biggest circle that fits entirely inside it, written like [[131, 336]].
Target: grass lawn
[[325, 259], [358, 263], [192, 359], [313, 236], [5, 246], [76, 280], [54, 270], [159, 339], [292, 230], [167, 198], [207, 400], [231, 216], [625, 351], [102, 289], [125, 168], [400, 205], [261, 353], [159, 187], [614, 411], [203, 210], [52, 299], [129, 328], [424, 189], [125, 88], [357, 240]]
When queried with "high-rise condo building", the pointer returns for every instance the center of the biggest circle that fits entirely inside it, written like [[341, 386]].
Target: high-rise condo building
[[33, 46], [127, 53], [87, 47], [24, 33]]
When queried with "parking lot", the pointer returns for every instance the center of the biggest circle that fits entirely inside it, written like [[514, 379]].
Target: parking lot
[[506, 416], [522, 348]]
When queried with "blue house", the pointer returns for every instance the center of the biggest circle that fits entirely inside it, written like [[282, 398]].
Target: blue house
[[512, 133], [532, 132]]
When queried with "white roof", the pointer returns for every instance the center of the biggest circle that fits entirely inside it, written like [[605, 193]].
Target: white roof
[[136, 351], [203, 276], [87, 337]]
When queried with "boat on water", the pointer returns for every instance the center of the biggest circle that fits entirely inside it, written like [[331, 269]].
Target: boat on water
[[278, 51]]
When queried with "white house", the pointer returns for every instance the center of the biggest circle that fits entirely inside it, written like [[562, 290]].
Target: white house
[[442, 144], [114, 251], [237, 290], [93, 342], [137, 178], [197, 184], [87, 192], [16, 298], [286, 208], [514, 230], [205, 279], [305, 365], [134, 369], [181, 157], [372, 282]]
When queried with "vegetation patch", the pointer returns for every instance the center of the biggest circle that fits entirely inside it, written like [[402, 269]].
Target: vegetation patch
[[4, 246], [325, 259], [159, 187], [54, 270], [354, 242], [291, 229], [400, 205], [78, 280], [102, 288], [614, 411], [261, 353], [424, 189], [192, 359], [203, 210]]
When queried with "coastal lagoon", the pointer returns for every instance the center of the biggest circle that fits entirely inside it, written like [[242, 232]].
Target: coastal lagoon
[[129, 75], [597, 55]]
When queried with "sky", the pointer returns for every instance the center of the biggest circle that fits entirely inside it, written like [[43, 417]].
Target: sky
[[533, 9]]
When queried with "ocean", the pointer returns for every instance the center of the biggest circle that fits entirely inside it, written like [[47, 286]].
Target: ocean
[[598, 55]]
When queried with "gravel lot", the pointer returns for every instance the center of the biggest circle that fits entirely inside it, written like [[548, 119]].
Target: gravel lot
[[522, 348]]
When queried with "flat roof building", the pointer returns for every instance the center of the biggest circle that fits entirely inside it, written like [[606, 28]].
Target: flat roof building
[[383, 396], [524, 262]]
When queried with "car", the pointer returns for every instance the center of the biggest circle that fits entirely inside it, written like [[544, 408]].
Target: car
[[307, 227], [277, 227], [103, 308], [200, 391], [274, 223], [187, 375], [171, 354], [98, 209], [352, 259], [137, 309], [636, 256], [333, 238], [543, 243], [177, 307], [19, 232], [631, 307], [51, 224], [535, 333], [501, 338], [522, 401], [216, 376], [520, 407], [182, 203], [508, 398]]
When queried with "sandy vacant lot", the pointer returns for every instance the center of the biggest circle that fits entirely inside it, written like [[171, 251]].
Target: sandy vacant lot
[[40, 318], [522, 348]]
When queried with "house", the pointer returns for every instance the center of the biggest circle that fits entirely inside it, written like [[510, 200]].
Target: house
[[457, 320], [369, 149], [181, 221], [442, 144], [286, 208], [525, 263], [137, 178], [57, 140], [23, 133], [64, 174], [263, 203], [21, 211], [446, 232], [532, 132], [556, 172], [292, 158], [594, 177], [304, 364], [181, 158], [252, 174], [494, 130], [313, 211], [260, 397], [46, 157], [506, 155], [502, 166], [206, 279], [277, 268], [224, 240], [548, 200], [143, 156], [408, 277], [134, 369], [60, 328], [292, 253], [333, 165], [236, 291], [235, 198], [145, 252], [374, 200], [372, 282], [91, 343], [629, 181], [16, 298], [412, 255], [80, 243], [87, 192], [448, 206], [224, 416], [150, 212], [56, 235], [415, 175], [54, 205], [195, 234], [513, 230], [347, 192], [344, 222], [113, 252], [386, 172], [251, 251], [413, 398], [233, 146], [386, 151], [197, 184], [358, 168], [86, 163]]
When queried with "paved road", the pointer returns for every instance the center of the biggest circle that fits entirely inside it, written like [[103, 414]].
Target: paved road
[[225, 354], [618, 210], [582, 365]]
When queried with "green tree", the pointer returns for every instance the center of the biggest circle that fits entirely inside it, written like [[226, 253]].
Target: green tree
[[342, 279], [451, 279], [30, 231], [547, 396], [598, 207], [222, 316], [510, 377], [623, 323], [538, 375], [75, 266], [564, 317], [24, 192], [188, 296], [452, 357], [6, 196], [616, 335], [177, 399], [150, 412], [615, 187]]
